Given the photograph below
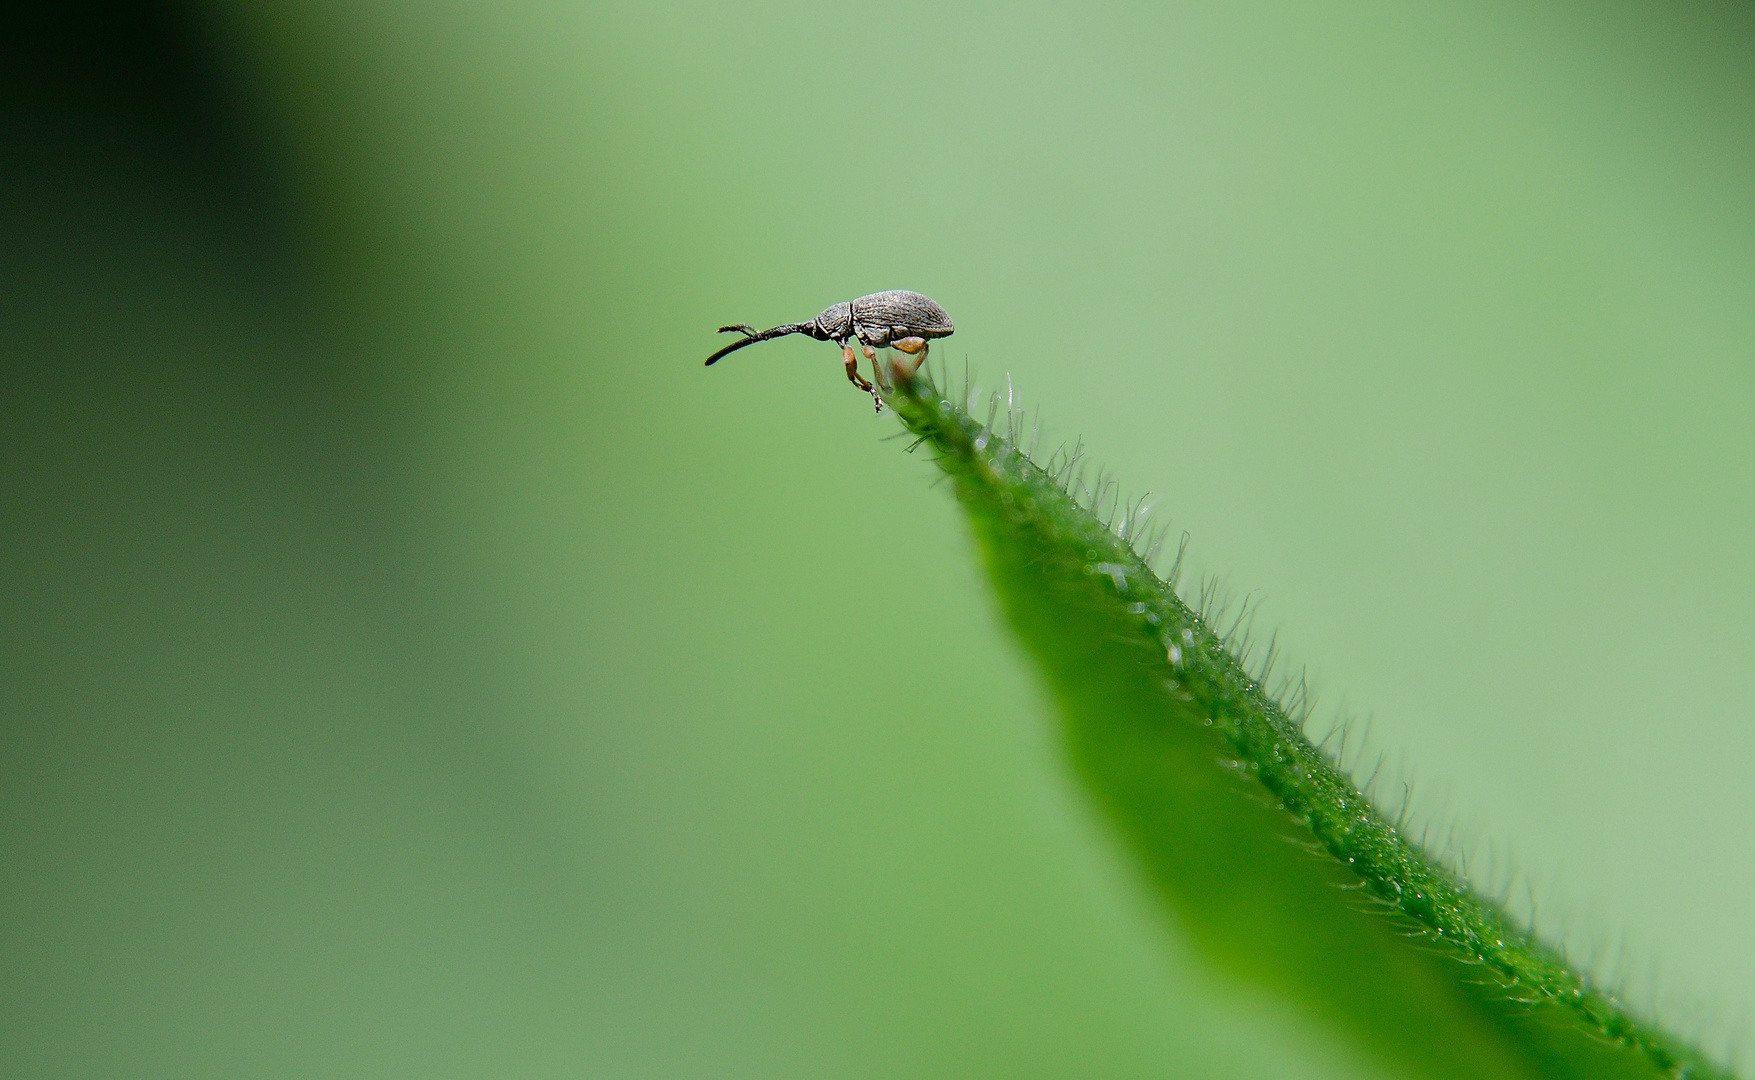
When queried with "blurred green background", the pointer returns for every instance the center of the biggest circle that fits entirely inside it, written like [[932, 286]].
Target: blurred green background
[[415, 664]]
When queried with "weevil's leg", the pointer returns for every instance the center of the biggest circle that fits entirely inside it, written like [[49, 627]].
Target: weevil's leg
[[871, 356], [877, 398], [916, 348], [852, 364]]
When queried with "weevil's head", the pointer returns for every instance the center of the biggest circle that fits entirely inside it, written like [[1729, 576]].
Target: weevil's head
[[835, 321]]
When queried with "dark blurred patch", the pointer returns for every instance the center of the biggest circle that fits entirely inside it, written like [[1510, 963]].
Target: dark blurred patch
[[141, 63], [108, 106], [226, 733]]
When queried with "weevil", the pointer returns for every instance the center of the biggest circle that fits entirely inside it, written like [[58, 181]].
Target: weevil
[[898, 318]]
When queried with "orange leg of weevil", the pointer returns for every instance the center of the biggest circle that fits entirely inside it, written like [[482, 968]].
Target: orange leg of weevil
[[871, 357], [877, 369], [877, 397], [852, 364], [916, 348]]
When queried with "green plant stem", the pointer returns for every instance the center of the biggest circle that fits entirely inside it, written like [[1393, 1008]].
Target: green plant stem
[[1207, 776]]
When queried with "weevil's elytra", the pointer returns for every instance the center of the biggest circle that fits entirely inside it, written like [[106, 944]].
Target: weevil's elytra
[[896, 317]]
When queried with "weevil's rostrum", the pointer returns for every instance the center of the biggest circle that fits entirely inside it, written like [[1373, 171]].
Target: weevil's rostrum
[[900, 319]]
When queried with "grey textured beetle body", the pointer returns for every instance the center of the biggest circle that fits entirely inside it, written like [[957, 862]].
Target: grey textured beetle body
[[897, 318]]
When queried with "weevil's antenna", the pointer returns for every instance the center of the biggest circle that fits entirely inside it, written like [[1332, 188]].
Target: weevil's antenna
[[751, 335]]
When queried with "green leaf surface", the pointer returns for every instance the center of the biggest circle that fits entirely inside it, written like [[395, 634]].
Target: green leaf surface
[[1256, 842]]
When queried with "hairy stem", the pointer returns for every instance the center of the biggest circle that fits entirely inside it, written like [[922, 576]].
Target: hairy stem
[[1208, 776]]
